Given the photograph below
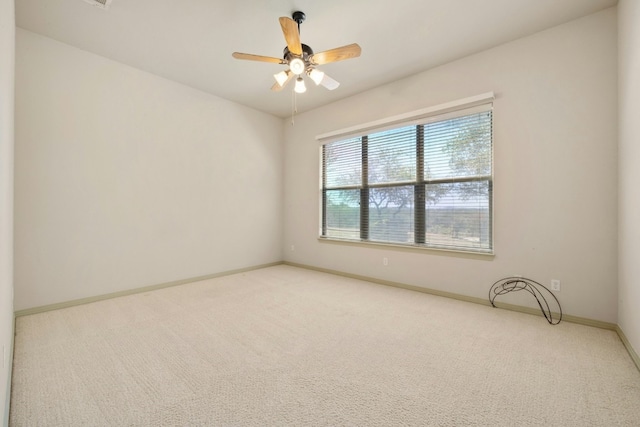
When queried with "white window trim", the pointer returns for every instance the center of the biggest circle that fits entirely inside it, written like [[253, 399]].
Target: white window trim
[[482, 102]]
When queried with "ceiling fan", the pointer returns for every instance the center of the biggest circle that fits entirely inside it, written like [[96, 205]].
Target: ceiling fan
[[301, 59]]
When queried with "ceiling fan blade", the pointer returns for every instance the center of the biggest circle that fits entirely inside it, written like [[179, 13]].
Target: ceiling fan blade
[[260, 58], [329, 83], [277, 87], [291, 35], [338, 54]]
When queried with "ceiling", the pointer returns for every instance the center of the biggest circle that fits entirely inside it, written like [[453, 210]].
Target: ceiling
[[191, 41]]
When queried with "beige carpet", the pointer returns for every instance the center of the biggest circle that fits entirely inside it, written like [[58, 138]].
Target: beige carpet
[[286, 346]]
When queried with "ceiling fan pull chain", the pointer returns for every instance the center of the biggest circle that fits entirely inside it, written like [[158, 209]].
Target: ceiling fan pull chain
[[294, 107]]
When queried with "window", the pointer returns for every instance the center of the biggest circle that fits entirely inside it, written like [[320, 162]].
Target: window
[[425, 183]]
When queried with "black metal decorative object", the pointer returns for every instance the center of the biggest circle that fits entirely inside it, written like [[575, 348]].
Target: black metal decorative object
[[513, 284]]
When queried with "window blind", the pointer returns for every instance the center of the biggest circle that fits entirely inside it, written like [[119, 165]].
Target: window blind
[[427, 182]]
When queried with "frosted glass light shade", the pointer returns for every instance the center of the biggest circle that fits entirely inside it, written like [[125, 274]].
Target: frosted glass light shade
[[296, 66], [300, 86], [281, 77], [316, 76]]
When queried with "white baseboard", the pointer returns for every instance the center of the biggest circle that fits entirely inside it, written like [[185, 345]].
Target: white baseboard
[[7, 402], [65, 304], [629, 347], [569, 318], [521, 309]]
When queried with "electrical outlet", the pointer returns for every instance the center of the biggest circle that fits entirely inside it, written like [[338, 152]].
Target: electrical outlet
[[385, 261], [555, 285], [293, 248]]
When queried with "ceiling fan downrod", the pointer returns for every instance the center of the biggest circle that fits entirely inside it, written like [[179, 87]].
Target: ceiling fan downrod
[[298, 17]]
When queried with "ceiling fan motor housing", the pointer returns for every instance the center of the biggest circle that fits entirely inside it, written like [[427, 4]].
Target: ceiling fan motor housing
[[307, 52]]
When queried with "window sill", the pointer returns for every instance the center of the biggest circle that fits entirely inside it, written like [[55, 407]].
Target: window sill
[[486, 256]]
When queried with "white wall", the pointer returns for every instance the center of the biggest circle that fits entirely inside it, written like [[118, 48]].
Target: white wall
[[629, 140], [124, 179], [7, 44], [555, 169]]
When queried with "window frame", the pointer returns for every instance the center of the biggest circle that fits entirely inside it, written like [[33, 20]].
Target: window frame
[[418, 119]]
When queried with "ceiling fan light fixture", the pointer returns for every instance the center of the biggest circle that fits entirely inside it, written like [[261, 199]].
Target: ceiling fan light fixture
[[316, 76], [281, 78], [298, 57], [300, 86], [296, 65]]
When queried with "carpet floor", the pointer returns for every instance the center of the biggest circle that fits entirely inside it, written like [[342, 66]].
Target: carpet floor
[[287, 346]]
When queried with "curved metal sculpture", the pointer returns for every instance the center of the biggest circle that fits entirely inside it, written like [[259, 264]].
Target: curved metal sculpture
[[514, 284]]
